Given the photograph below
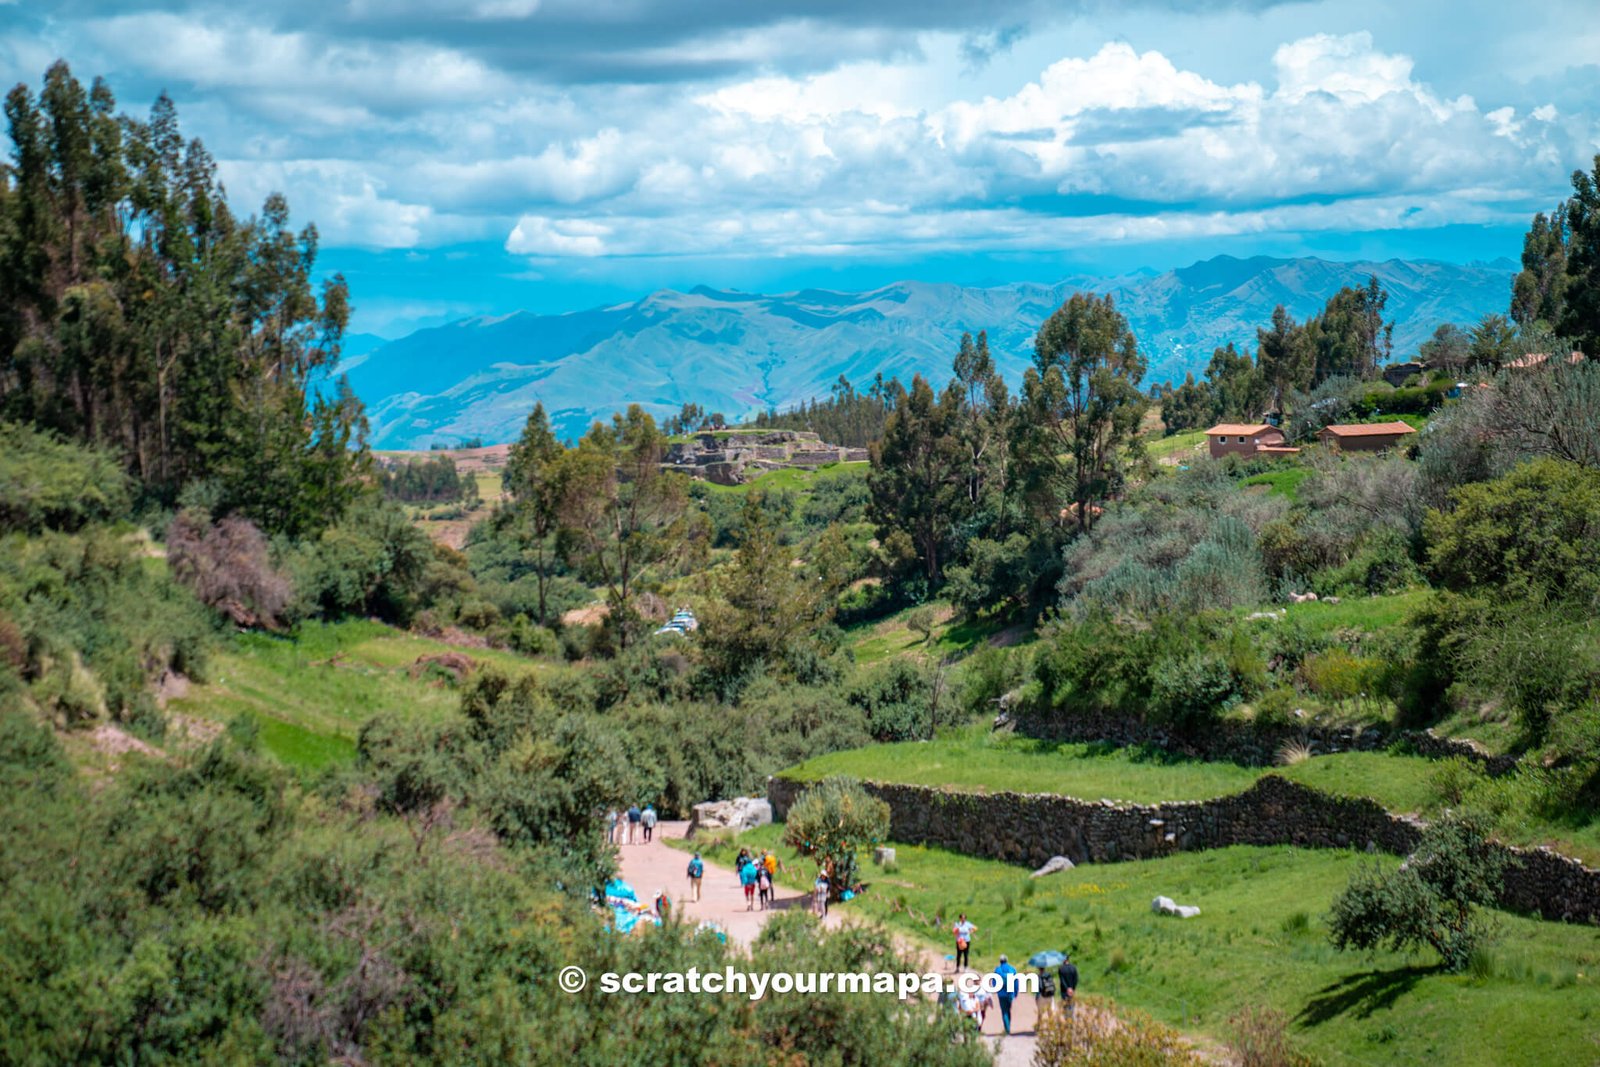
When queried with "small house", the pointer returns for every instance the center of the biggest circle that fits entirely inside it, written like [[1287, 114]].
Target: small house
[[1364, 437], [1247, 439]]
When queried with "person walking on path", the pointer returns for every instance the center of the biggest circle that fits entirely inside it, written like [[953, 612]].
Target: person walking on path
[[764, 885], [633, 823], [612, 818], [963, 931], [697, 871], [1046, 997], [819, 895], [647, 819], [747, 878], [1068, 973], [1007, 991]]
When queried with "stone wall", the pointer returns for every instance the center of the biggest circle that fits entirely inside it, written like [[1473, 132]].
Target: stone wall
[[1250, 744], [1029, 828]]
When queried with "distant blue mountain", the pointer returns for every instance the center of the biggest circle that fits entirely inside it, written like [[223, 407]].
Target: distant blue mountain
[[741, 352]]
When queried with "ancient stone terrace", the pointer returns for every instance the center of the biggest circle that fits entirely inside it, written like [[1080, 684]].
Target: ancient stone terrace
[[734, 458]]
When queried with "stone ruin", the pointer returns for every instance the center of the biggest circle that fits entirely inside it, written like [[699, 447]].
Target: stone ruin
[[735, 458]]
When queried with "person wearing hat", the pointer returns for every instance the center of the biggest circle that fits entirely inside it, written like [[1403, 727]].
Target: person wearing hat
[[1007, 991]]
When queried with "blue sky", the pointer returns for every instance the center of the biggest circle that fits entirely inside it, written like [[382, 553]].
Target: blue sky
[[477, 156]]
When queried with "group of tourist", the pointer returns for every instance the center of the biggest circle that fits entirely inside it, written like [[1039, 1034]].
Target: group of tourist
[[975, 1006], [634, 826], [757, 874]]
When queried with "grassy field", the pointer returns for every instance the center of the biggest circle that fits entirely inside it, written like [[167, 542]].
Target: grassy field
[[1180, 446], [881, 639], [1366, 613], [975, 759], [1259, 940], [797, 479], [1285, 482], [978, 760], [310, 694]]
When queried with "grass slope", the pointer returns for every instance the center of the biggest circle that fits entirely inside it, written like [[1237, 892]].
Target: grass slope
[[977, 760], [310, 693], [1259, 940]]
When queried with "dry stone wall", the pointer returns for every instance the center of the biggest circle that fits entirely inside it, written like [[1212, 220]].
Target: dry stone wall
[[1251, 744], [1028, 828]]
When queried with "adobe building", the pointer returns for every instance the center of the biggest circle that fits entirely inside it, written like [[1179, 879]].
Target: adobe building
[[1365, 437], [1248, 440]]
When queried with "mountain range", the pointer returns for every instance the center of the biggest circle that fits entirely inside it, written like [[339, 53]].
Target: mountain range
[[737, 353]]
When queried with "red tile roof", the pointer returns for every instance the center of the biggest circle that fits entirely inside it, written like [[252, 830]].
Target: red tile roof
[[1369, 429], [1241, 429]]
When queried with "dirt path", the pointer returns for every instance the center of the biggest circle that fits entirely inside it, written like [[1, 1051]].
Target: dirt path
[[651, 867]]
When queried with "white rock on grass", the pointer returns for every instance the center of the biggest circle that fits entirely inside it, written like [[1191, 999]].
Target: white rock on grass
[[1052, 866], [1166, 906]]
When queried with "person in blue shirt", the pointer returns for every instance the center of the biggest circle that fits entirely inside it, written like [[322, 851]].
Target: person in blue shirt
[[697, 871], [747, 878], [1007, 992]]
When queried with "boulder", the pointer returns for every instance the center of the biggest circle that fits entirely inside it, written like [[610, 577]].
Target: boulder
[[1166, 906], [739, 814], [1052, 866]]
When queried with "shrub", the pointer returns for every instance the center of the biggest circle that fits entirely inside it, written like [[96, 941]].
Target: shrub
[[46, 483], [1091, 1034], [919, 620], [229, 567], [1259, 1037], [1191, 688], [831, 821], [1430, 900]]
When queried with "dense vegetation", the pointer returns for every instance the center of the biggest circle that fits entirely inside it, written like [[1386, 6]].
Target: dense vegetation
[[379, 847]]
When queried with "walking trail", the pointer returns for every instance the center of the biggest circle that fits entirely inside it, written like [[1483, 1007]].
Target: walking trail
[[653, 866]]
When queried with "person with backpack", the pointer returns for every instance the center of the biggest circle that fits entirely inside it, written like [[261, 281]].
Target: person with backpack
[[633, 823], [1046, 997], [764, 885], [697, 871], [647, 819]]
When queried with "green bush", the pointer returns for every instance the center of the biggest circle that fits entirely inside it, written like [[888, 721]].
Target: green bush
[[1191, 688], [46, 483], [833, 820], [1429, 901]]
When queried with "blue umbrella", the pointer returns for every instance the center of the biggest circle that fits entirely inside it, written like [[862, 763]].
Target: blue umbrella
[[1048, 958]]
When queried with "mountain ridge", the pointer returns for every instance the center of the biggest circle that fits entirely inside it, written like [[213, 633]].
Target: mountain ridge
[[737, 352]]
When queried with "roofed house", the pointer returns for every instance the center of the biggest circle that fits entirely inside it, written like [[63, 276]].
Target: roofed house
[[1365, 436], [1247, 439]]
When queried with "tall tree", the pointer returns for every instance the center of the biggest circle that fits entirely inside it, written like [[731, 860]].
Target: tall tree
[[1492, 341], [918, 479], [1580, 316], [1083, 404], [1284, 356], [536, 478], [1238, 390], [985, 406], [138, 314], [625, 520], [1538, 292], [1449, 349], [1350, 337]]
